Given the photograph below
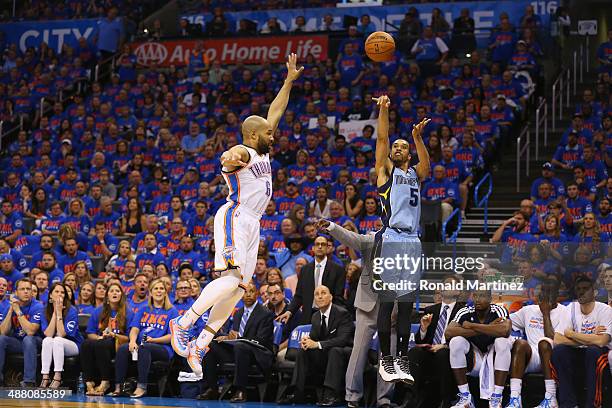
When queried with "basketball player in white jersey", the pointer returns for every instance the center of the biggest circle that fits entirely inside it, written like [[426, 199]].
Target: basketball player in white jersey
[[399, 189], [539, 324], [248, 174]]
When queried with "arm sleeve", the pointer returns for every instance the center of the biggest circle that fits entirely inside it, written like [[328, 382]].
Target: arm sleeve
[[92, 324], [346, 237], [441, 45]]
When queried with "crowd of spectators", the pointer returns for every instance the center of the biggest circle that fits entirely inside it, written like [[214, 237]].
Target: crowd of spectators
[[31, 10], [107, 200]]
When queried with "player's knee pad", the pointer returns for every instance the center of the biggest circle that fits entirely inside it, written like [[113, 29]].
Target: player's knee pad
[[458, 347], [459, 344], [502, 345]]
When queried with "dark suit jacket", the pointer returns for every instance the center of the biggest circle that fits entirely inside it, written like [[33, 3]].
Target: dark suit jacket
[[431, 330], [259, 327], [340, 328], [333, 278]]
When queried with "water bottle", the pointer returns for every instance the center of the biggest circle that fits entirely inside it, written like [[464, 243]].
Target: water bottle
[[80, 385]]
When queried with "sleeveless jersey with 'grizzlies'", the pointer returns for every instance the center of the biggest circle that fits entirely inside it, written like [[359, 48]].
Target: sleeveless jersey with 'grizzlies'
[[400, 199]]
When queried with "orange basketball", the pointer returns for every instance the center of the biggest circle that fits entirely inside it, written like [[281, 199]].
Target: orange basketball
[[380, 46]]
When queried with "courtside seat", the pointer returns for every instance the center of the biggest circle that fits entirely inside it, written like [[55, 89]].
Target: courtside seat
[[285, 367], [261, 379]]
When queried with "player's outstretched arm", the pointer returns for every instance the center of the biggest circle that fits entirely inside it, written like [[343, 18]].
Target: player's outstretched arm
[[234, 159], [279, 104], [423, 168], [383, 165]]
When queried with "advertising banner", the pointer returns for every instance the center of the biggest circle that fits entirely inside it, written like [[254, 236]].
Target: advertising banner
[[55, 33], [231, 50]]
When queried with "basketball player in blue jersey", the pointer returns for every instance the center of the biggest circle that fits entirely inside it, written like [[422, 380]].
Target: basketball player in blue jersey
[[399, 187], [248, 174]]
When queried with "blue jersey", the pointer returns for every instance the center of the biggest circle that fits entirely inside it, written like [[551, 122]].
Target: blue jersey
[[93, 326], [155, 323], [400, 200], [71, 325]]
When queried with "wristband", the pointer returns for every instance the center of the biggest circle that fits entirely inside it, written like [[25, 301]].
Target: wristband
[[19, 314]]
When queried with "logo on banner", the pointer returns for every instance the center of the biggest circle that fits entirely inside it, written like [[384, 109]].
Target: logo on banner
[[151, 53], [246, 49]]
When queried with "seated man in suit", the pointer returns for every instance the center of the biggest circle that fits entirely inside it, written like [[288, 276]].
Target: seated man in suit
[[430, 358], [322, 271], [252, 322], [278, 304], [322, 352]]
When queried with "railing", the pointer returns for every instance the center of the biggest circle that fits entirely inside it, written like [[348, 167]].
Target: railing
[[484, 201], [567, 81], [453, 237], [541, 120], [522, 151]]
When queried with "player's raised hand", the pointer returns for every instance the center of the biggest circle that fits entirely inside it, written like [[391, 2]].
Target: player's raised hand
[[417, 130], [232, 159], [293, 72], [322, 225], [383, 102]]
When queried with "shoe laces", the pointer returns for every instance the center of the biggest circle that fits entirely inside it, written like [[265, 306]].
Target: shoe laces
[[514, 402], [183, 334], [404, 364], [546, 403], [495, 400], [463, 398], [387, 363]]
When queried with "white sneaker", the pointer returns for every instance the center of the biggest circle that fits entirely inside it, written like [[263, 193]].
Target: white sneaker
[[179, 338], [195, 357], [495, 401], [465, 401], [548, 403], [402, 368], [515, 402], [386, 369]]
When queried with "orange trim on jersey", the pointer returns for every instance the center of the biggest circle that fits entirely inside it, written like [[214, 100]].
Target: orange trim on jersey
[[602, 364]]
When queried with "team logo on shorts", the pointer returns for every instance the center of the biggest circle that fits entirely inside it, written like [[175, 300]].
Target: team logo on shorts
[[229, 252]]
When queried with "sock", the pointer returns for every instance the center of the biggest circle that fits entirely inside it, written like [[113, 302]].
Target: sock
[[551, 388], [464, 388], [212, 294], [515, 387], [218, 316], [499, 390]]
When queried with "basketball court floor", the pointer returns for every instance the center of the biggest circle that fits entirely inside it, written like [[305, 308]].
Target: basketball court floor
[[76, 401]]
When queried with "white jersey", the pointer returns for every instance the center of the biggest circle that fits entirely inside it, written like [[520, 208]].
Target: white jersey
[[251, 186], [586, 324], [530, 320]]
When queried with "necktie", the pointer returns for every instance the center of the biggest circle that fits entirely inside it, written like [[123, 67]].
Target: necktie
[[441, 325], [323, 327], [243, 322], [316, 281], [317, 274]]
